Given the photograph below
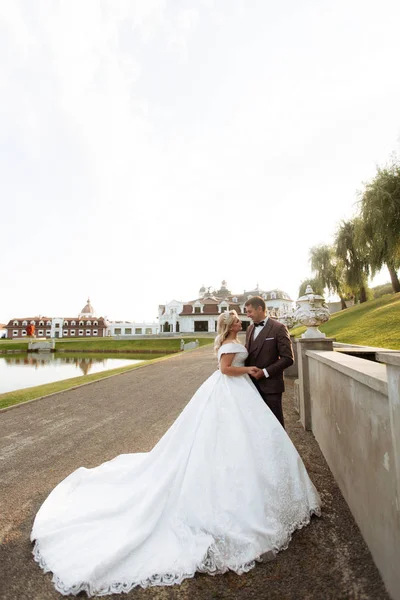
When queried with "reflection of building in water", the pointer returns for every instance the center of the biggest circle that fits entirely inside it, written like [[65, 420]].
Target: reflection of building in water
[[85, 364], [202, 313], [37, 360], [86, 324], [32, 359]]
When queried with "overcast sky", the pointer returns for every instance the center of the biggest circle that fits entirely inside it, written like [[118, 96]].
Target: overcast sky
[[150, 146]]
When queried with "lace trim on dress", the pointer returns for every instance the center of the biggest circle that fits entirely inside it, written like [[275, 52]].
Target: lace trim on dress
[[212, 564]]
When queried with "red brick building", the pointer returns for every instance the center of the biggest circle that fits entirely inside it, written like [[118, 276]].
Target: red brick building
[[85, 325]]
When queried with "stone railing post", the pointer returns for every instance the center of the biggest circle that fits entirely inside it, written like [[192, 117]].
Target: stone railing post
[[293, 370], [304, 344], [392, 362]]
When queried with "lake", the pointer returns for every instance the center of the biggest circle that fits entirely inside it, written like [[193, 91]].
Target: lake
[[37, 368]]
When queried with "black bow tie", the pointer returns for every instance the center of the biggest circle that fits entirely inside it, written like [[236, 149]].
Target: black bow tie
[[260, 324]]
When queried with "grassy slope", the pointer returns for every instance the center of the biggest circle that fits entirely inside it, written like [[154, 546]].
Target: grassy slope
[[373, 323]]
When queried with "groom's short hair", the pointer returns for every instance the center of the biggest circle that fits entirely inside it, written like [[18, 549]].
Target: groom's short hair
[[255, 302]]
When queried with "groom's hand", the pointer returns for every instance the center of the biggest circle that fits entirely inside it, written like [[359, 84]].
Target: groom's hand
[[259, 374]]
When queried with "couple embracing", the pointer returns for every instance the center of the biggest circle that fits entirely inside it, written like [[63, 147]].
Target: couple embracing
[[222, 489]]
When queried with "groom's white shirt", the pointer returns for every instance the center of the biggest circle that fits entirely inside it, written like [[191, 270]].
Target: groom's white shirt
[[256, 331]]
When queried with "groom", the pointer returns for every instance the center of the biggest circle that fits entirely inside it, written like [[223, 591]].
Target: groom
[[270, 349]]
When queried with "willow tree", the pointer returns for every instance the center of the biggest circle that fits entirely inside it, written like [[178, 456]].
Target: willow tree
[[315, 283], [380, 217], [328, 269], [353, 256]]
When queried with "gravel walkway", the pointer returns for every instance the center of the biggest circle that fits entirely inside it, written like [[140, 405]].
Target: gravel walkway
[[43, 441]]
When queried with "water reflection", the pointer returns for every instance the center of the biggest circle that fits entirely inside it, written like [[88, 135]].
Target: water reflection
[[47, 359], [30, 369]]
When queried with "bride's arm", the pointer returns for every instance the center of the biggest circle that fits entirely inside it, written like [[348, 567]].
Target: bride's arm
[[225, 366]]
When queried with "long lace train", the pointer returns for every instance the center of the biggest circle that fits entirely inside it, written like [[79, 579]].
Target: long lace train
[[211, 565]]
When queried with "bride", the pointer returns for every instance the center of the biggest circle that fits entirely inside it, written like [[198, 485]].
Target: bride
[[222, 487]]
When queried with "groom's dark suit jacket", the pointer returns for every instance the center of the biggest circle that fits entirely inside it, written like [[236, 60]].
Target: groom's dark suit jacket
[[271, 350]]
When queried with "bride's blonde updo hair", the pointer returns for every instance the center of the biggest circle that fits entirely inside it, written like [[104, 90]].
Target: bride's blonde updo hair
[[224, 323]]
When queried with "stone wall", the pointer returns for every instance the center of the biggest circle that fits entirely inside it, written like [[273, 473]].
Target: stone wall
[[355, 419]]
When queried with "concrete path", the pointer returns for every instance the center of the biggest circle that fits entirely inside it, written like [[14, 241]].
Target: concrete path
[[43, 441]]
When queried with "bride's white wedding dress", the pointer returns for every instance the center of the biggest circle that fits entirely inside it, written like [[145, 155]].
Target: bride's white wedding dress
[[223, 486]]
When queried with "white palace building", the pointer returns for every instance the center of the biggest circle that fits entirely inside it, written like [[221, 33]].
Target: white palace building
[[202, 313]]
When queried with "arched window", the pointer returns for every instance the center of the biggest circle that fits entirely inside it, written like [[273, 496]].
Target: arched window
[[65, 323], [95, 323], [88, 322], [48, 323], [73, 323], [273, 296], [41, 323], [24, 323], [81, 323], [33, 323], [234, 299], [15, 323]]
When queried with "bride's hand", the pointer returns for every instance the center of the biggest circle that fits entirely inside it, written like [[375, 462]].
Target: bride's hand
[[252, 371]]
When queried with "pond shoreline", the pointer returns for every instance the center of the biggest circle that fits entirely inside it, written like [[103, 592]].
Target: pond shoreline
[[108, 351], [94, 351], [16, 398]]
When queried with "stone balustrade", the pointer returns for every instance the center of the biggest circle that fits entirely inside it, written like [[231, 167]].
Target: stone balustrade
[[352, 406]]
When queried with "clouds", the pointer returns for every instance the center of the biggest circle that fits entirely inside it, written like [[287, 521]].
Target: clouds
[[145, 139]]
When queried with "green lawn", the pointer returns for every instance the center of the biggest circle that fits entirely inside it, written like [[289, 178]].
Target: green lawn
[[13, 345], [373, 323], [157, 345]]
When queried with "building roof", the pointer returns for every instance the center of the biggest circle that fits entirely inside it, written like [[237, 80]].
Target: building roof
[[88, 308], [29, 319], [224, 294], [187, 309], [44, 319], [77, 318], [208, 300]]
